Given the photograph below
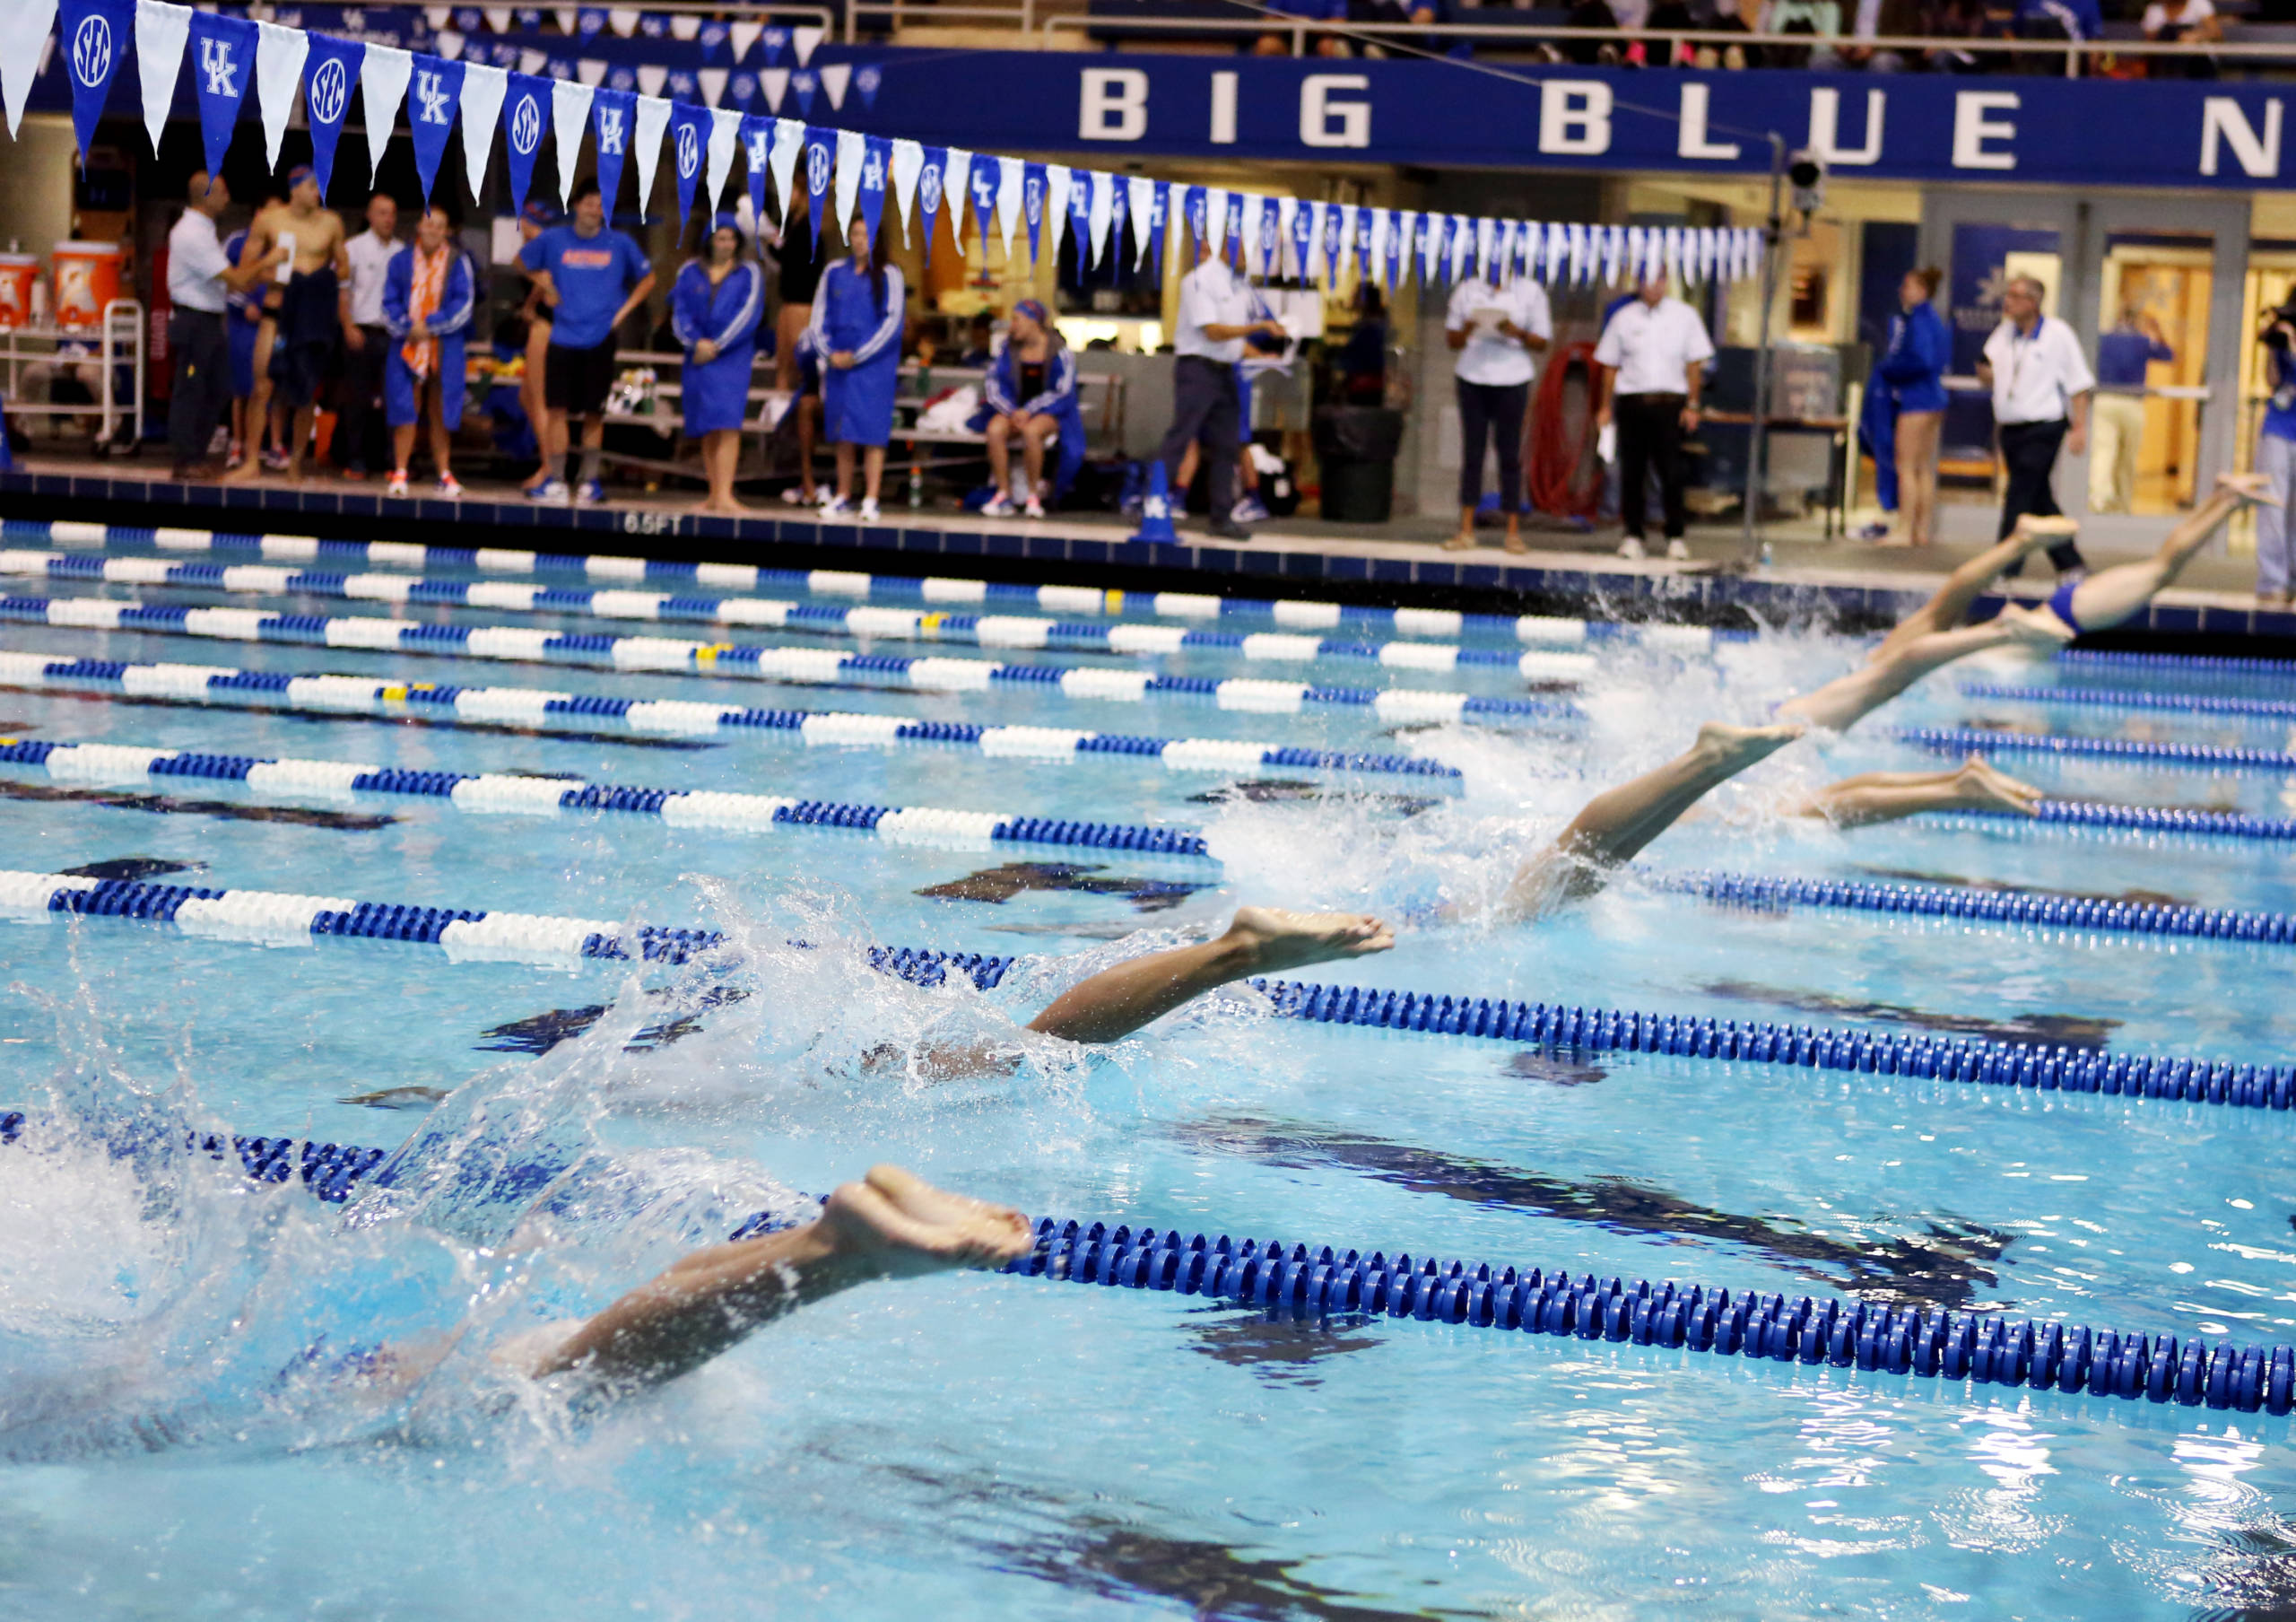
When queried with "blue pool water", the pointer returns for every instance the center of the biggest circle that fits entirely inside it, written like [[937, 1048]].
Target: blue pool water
[[999, 1446]]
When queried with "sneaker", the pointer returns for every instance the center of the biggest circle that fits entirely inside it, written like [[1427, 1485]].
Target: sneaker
[[1677, 551], [1870, 532], [274, 460], [794, 497], [869, 514], [233, 457], [1632, 549], [1228, 529], [592, 492], [836, 507], [450, 486], [1249, 511], [825, 498], [1034, 509], [548, 489], [997, 506], [397, 488]]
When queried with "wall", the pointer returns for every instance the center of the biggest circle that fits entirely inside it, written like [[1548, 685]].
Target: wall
[[36, 184]]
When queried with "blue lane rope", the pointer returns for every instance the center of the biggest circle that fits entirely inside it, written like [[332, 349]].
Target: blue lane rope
[[2136, 698], [2198, 664], [1963, 740], [809, 667], [2041, 910], [251, 915], [331, 696], [285, 781], [813, 619], [1312, 1282], [1287, 613], [2148, 819]]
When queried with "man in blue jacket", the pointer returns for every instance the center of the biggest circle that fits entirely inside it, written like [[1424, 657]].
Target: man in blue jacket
[[592, 277], [429, 292]]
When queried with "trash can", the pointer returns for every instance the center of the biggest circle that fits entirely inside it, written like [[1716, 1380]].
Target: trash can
[[1356, 447]]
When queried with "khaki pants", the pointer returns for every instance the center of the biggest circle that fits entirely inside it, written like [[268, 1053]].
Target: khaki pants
[[2117, 423]]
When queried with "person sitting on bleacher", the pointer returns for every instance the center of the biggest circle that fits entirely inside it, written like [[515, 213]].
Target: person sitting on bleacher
[[1275, 44], [1030, 391], [715, 307]]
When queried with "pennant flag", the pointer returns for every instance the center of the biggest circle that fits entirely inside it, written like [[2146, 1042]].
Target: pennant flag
[[437, 86], [956, 188], [773, 41], [162, 32], [1264, 244], [987, 194], [932, 186], [1059, 206], [757, 153], [867, 82], [1367, 261], [1142, 200], [1339, 228], [724, 142], [95, 36], [279, 54], [652, 81], [1398, 248], [907, 162], [1307, 235], [774, 82], [803, 81], [1232, 251], [877, 160], [689, 134], [1195, 207], [1427, 239], [329, 72], [24, 52], [589, 21], [1032, 184], [1274, 226], [1211, 228], [850, 150], [1119, 209], [740, 37], [788, 146], [835, 77], [1103, 208], [652, 119], [821, 169], [570, 101], [712, 81], [1159, 211], [623, 20], [383, 79], [484, 89], [612, 115], [522, 126], [1009, 175], [223, 55], [1486, 245], [802, 40]]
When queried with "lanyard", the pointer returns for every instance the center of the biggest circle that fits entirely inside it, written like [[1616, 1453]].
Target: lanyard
[[2019, 347]]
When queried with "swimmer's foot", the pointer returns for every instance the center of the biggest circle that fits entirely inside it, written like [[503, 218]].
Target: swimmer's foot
[[1271, 940], [1735, 748], [2248, 486], [894, 1223], [1980, 786], [2035, 628], [2037, 530]]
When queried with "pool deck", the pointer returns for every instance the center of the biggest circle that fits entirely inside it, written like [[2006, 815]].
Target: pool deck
[[1845, 582]]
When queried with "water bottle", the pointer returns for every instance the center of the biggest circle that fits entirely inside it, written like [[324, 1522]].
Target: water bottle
[[915, 487]]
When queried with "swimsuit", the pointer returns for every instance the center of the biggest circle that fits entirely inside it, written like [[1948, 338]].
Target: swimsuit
[[2060, 604]]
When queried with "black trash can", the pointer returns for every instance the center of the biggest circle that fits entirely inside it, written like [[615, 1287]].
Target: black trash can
[[1356, 447]]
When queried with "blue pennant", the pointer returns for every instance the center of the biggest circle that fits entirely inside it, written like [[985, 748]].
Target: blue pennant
[[867, 82], [876, 165], [931, 177], [1158, 211], [821, 172], [1033, 189], [984, 196], [525, 114], [757, 149], [222, 61], [330, 73], [802, 83], [433, 91], [613, 114], [689, 144], [774, 41], [94, 34]]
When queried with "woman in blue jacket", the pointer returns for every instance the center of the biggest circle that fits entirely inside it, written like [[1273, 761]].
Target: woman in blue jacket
[[429, 292], [1914, 369], [714, 309], [856, 331], [1030, 394]]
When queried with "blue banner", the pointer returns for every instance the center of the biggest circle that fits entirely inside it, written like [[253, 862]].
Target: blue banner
[[525, 114], [932, 178], [1032, 185], [689, 140], [330, 73], [1080, 218], [820, 173], [95, 36], [433, 91], [1159, 214], [984, 196], [221, 56], [613, 115], [877, 163], [757, 151]]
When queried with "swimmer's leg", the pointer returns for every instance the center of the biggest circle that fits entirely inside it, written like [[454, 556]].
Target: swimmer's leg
[[1951, 605], [2119, 593], [1618, 822], [1843, 701], [890, 1225], [1884, 796]]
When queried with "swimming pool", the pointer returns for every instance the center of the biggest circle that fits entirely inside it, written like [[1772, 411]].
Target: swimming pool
[[1000, 1445]]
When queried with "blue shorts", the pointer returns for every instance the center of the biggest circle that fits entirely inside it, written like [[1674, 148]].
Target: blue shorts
[[2060, 604], [242, 336]]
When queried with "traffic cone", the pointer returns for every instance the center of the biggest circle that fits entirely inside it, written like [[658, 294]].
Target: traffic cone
[[1156, 509]]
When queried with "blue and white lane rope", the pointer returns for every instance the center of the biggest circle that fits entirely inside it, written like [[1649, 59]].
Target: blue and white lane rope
[[802, 667], [1310, 1282], [335, 696], [1966, 740], [1290, 614], [769, 614], [299, 781], [270, 917], [2193, 664], [2040, 911], [2140, 819], [2137, 698]]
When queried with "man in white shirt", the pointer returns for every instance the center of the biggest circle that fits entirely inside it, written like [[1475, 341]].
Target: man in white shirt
[[1215, 320], [2042, 384], [200, 276], [365, 339], [1650, 370], [1496, 332]]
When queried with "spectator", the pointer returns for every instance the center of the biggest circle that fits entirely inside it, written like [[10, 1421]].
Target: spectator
[[2276, 456], [1907, 392], [1820, 19], [535, 219], [1887, 20], [797, 260], [199, 276], [1275, 44], [430, 293], [364, 338], [980, 340], [1031, 392], [1214, 318], [715, 307], [2187, 23], [2119, 410], [1592, 15], [1385, 14], [1650, 370], [1363, 358], [857, 318], [2042, 384], [2068, 20], [1497, 332], [592, 277], [1723, 16]]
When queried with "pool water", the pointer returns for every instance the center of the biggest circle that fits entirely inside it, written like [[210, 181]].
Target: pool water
[[990, 1445]]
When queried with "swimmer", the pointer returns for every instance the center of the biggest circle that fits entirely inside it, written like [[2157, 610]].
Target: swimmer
[[2113, 595], [1887, 796], [1950, 605]]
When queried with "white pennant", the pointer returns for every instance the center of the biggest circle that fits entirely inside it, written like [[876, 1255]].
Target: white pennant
[[498, 18], [279, 54], [1100, 211], [1378, 244], [382, 88], [1287, 209], [712, 81], [774, 82], [162, 32], [1317, 268], [483, 87], [684, 25], [623, 20], [645, 144], [1581, 253], [24, 27], [1506, 233], [835, 77], [802, 40], [590, 71], [788, 146], [1143, 211], [1215, 220], [852, 152], [1486, 239], [534, 62], [909, 162], [651, 77], [956, 191], [437, 16], [447, 45], [1406, 222], [1056, 207], [1008, 199], [569, 20], [569, 116], [724, 141], [741, 36]]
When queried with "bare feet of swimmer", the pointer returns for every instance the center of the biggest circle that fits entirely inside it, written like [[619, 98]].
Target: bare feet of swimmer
[[1737, 747], [2036, 628], [906, 1226], [1980, 786], [1277, 940], [2037, 530], [2248, 486]]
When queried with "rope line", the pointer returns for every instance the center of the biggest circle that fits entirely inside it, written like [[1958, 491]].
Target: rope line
[[1961, 740]]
